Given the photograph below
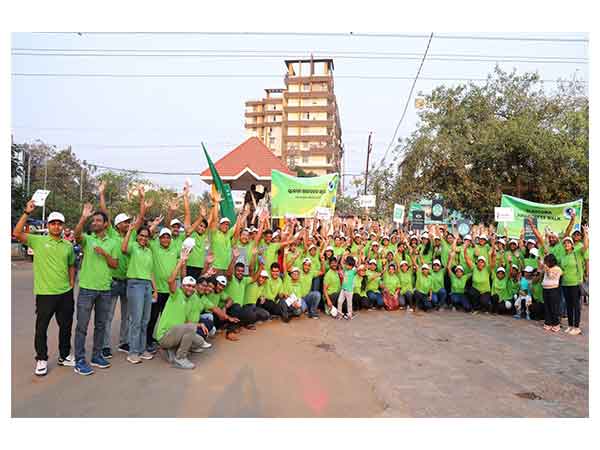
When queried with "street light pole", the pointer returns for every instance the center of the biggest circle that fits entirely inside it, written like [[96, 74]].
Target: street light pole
[[369, 147], [45, 182]]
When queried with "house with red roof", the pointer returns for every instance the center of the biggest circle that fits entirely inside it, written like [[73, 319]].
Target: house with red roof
[[249, 163]]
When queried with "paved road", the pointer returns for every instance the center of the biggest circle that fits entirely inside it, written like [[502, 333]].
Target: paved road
[[382, 364]]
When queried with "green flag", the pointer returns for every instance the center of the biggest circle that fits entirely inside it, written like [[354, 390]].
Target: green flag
[[226, 204]]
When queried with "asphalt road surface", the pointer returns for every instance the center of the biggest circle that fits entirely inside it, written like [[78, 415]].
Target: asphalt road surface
[[381, 364]]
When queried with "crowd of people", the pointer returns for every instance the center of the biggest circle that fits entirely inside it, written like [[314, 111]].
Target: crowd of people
[[180, 284]]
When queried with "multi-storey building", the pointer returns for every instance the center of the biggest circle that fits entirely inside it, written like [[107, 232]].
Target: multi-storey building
[[301, 123]]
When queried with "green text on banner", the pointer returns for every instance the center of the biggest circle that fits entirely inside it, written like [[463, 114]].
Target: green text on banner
[[300, 197], [554, 217]]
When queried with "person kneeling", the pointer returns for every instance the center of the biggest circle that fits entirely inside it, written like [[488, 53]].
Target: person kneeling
[[176, 331]]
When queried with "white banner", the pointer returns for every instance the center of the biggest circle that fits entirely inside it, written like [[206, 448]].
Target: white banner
[[366, 201], [504, 214]]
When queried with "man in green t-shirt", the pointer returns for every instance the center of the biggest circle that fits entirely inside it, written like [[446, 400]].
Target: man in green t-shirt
[[237, 283], [197, 231], [53, 281], [95, 279], [273, 292]]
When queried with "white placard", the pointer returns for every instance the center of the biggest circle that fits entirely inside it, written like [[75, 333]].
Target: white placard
[[39, 197], [504, 214], [398, 213], [366, 201], [323, 213]]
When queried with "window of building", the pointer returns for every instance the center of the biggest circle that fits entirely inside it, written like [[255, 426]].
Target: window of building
[[305, 159], [306, 87], [306, 116], [271, 140]]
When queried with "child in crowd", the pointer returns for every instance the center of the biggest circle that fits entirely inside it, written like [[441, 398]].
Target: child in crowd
[[346, 293]]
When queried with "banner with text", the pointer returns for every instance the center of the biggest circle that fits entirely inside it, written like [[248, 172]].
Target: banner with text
[[553, 217], [302, 197]]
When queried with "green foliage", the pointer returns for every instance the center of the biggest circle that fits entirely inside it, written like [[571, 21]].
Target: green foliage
[[17, 189], [476, 142]]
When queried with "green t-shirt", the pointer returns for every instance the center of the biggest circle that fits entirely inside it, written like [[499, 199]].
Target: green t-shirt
[[357, 287], [220, 244], [95, 273], [273, 288], [214, 300], [570, 263], [445, 253], [164, 262], [236, 289], [338, 251], [427, 257], [51, 262], [253, 292], [424, 283], [306, 281], [457, 285], [120, 272], [512, 286], [374, 280], [270, 254], [179, 310], [348, 283], [483, 250], [198, 254], [332, 280], [501, 288], [406, 281], [557, 250], [537, 291], [438, 280], [292, 287], [390, 282], [141, 263], [461, 257], [177, 241], [481, 279]]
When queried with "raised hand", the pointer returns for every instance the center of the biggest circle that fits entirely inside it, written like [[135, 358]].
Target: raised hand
[[185, 253], [132, 224], [88, 209], [141, 190], [186, 190], [586, 229], [30, 206], [148, 203], [235, 252], [157, 221], [203, 211], [102, 187], [174, 204], [210, 259]]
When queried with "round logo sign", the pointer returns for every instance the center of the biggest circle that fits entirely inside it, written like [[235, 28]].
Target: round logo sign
[[437, 210], [463, 228], [568, 211]]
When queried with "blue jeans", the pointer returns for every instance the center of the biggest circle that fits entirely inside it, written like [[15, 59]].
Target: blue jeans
[[87, 300], [311, 302], [461, 300], [375, 298], [118, 291], [139, 299], [316, 284], [439, 298]]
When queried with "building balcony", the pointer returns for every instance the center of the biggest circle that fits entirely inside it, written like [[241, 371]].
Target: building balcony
[[308, 79], [254, 113], [310, 138], [310, 123], [254, 102], [311, 108], [273, 101], [254, 125], [312, 94]]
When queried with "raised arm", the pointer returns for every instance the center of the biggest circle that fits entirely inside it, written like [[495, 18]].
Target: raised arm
[[125, 243], [234, 256], [154, 225], [102, 207], [185, 252], [172, 209], [85, 215], [18, 230], [467, 257], [187, 216], [213, 219], [538, 236], [571, 223], [586, 237]]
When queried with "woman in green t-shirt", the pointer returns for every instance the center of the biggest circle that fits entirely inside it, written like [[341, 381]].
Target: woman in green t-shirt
[[480, 291], [407, 285], [572, 277], [373, 281], [458, 281], [359, 297], [391, 288]]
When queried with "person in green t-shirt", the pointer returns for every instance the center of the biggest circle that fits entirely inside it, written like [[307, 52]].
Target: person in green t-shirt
[[53, 281], [165, 256], [407, 285], [141, 291], [390, 285], [275, 298], [458, 281], [198, 232], [236, 290], [424, 288], [101, 255], [537, 309], [221, 235], [373, 282], [439, 295], [254, 295], [480, 291], [177, 330], [347, 287], [359, 291], [332, 285], [501, 294], [571, 265]]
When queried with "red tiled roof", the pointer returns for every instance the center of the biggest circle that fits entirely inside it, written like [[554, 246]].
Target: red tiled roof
[[251, 154]]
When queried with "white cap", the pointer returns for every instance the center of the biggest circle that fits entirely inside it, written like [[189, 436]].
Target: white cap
[[372, 261], [385, 237], [189, 280], [568, 238], [513, 241], [535, 252], [375, 243], [294, 269], [307, 261], [175, 221], [437, 237], [403, 262], [501, 241], [276, 234], [263, 273], [425, 266], [514, 266], [329, 247], [222, 280], [253, 229], [530, 241], [553, 233], [528, 269], [247, 230], [425, 235], [189, 243], [165, 230], [122, 217], [468, 237], [224, 219], [483, 237], [312, 246], [481, 258], [56, 216], [501, 269], [459, 267], [260, 188]]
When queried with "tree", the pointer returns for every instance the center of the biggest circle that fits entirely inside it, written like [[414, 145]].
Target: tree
[[17, 189], [476, 142]]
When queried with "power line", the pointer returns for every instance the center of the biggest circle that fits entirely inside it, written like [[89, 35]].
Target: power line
[[316, 56], [316, 34], [412, 88], [230, 75]]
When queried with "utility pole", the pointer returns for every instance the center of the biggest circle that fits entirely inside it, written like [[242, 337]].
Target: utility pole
[[28, 172], [81, 186], [45, 181], [369, 148]]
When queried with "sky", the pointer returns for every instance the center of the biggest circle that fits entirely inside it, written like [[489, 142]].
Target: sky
[[158, 123]]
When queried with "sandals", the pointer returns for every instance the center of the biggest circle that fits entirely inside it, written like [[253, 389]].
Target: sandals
[[231, 337]]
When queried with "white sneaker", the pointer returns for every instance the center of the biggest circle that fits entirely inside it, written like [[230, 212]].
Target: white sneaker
[[410, 309], [206, 345], [41, 368], [568, 330], [134, 359], [575, 331], [147, 355], [184, 364], [69, 361]]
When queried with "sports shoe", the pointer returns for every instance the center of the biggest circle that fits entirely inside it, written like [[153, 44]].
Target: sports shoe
[[315, 316], [206, 344], [134, 359], [517, 316], [83, 368], [107, 353], [123, 348], [152, 348], [147, 355], [475, 313], [454, 308], [100, 362], [41, 368], [170, 353], [410, 309], [183, 364], [69, 361], [568, 329], [575, 331]]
